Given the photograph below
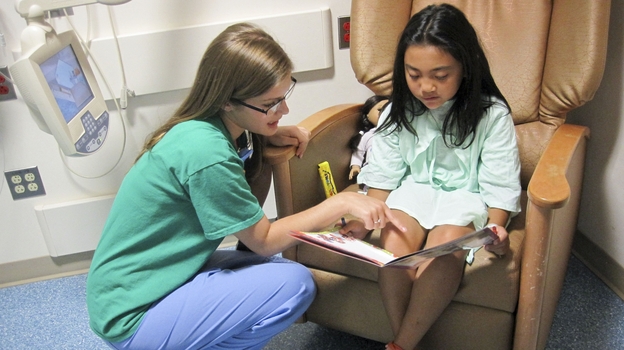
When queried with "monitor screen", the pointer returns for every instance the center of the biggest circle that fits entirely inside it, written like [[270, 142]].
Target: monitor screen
[[67, 82], [62, 93]]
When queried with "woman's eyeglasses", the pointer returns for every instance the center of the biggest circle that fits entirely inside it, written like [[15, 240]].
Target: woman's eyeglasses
[[273, 108]]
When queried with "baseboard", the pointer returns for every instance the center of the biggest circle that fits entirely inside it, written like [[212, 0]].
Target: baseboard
[[600, 263], [43, 268]]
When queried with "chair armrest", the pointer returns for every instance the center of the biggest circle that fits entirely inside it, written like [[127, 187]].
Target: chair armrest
[[315, 123], [551, 216], [296, 181], [549, 185]]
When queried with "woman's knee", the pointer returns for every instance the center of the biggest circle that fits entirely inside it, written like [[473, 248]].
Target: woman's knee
[[301, 279]]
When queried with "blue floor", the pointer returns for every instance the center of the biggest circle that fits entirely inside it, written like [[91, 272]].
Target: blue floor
[[52, 315], [589, 314]]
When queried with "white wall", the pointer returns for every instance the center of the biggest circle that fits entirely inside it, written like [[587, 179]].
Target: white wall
[[24, 145], [602, 203]]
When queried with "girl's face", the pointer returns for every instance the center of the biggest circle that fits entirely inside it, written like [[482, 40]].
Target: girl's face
[[238, 117], [433, 75]]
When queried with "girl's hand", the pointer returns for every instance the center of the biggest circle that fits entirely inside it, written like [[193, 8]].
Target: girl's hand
[[355, 228], [500, 246], [291, 135]]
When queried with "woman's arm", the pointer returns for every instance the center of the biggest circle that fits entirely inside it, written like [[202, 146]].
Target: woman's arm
[[291, 135], [267, 239], [356, 227]]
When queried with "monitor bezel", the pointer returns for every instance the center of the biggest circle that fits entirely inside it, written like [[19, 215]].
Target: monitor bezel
[[39, 96]]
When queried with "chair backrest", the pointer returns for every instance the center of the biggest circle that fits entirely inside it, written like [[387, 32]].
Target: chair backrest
[[547, 57]]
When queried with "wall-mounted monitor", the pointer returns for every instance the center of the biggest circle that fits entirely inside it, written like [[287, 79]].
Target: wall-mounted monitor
[[58, 86]]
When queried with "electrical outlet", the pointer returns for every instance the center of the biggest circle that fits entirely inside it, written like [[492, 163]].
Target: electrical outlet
[[7, 89], [25, 183], [344, 32]]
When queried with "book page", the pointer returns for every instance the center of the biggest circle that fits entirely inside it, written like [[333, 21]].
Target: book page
[[473, 240], [346, 245]]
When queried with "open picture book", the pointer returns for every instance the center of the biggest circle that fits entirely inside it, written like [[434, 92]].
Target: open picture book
[[364, 251]]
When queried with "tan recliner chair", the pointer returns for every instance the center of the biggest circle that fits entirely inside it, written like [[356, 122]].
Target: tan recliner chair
[[547, 58]]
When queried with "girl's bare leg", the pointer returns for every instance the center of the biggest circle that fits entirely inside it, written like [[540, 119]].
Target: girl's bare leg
[[435, 285], [396, 284]]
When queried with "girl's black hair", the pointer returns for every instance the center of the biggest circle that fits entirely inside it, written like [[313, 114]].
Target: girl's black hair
[[366, 124], [446, 28]]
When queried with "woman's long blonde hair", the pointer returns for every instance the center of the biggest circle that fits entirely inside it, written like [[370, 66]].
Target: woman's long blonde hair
[[241, 62]]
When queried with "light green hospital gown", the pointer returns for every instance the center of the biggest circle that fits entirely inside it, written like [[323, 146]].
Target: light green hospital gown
[[439, 185]]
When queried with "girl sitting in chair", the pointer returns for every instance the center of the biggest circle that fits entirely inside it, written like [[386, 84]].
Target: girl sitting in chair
[[446, 162]]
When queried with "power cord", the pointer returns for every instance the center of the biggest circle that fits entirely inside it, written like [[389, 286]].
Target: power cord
[[124, 88]]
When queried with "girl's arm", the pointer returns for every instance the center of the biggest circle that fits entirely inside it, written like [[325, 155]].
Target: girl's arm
[[267, 238], [382, 195], [499, 176], [499, 217]]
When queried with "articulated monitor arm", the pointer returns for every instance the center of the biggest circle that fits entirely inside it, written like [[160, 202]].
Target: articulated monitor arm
[[35, 8], [38, 30]]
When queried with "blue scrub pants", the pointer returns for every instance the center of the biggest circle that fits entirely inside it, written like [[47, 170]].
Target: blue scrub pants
[[240, 300]]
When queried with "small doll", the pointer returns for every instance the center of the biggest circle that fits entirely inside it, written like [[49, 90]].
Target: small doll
[[361, 143]]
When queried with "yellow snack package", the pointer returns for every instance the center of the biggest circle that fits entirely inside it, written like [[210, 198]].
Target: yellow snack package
[[327, 179]]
